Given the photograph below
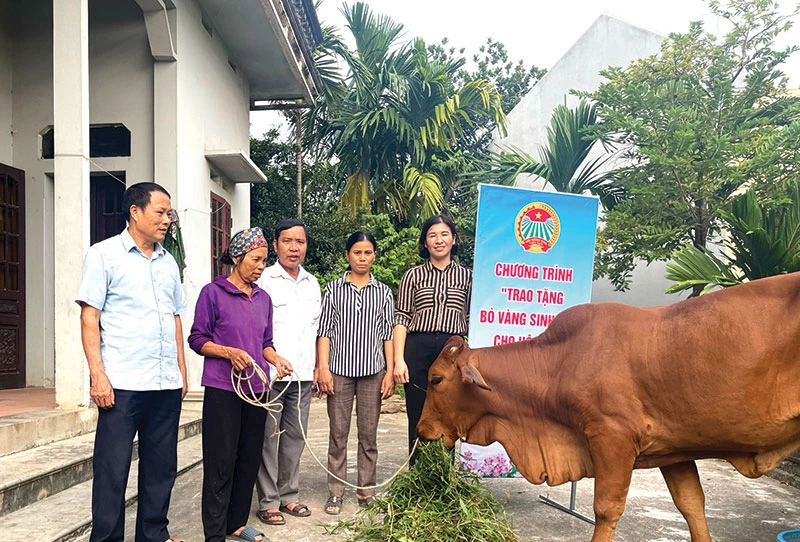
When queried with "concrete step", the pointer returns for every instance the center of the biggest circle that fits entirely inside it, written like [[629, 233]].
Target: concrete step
[[20, 432], [788, 472], [67, 515], [36, 474]]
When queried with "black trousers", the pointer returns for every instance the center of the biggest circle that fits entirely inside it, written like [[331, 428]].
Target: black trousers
[[233, 433], [154, 415], [421, 351]]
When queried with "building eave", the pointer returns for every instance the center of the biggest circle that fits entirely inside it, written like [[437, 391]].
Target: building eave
[[267, 46], [235, 166]]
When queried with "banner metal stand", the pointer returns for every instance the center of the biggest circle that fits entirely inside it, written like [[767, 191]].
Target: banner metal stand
[[573, 492]]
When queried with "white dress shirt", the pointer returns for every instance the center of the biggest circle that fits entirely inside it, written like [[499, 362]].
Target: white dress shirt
[[295, 317]]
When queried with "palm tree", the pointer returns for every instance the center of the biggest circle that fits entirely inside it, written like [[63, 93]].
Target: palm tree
[[384, 122], [762, 242], [565, 163]]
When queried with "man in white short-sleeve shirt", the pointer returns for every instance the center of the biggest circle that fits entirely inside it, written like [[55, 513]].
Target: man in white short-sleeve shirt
[[296, 307]]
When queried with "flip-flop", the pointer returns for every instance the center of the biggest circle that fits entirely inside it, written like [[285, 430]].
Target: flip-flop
[[265, 515], [248, 534], [366, 502], [333, 505], [299, 510]]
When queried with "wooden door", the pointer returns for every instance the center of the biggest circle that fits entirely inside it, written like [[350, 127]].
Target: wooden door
[[12, 278], [107, 215]]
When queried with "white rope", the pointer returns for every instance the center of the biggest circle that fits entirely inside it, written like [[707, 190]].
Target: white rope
[[242, 382]]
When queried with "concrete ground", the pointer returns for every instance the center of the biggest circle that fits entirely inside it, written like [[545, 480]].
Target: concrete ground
[[738, 509]]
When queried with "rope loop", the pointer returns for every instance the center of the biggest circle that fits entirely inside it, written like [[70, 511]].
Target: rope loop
[[242, 382]]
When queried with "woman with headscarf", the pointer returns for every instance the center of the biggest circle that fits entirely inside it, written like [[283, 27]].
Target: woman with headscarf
[[232, 328]]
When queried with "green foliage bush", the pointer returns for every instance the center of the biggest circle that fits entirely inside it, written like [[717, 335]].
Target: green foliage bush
[[397, 249], [435, 497]]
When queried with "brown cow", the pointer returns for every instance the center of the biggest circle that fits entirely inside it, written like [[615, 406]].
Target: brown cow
[[609, 388]]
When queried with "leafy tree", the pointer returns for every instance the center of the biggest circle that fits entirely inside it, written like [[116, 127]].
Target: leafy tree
[[565, 162], [387, 119], [277, 198], [763, 241], [512, 80], [697, 121], [328, 225], [397, 248]]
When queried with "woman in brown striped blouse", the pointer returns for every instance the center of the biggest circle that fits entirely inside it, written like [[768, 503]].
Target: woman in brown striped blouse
[[432, 306]]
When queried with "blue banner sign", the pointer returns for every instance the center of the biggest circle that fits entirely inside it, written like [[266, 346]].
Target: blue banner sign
[[534, 256]]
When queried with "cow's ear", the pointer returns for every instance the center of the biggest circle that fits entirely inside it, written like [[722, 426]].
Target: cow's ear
[[471, 375], [453, 347]]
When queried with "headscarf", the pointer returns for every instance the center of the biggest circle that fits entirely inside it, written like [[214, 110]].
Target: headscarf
[[245, 241]]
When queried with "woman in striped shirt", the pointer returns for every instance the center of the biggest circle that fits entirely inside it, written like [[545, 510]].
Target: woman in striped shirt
[[432, 306], [354, 354]]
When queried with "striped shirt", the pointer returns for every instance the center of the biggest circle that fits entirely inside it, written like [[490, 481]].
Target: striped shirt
[[357, 322], [434, 300]]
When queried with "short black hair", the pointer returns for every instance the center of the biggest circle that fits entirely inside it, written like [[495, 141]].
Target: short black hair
[[357, 237], [360, 236], [139, 195], [436, 219], [289, 223]]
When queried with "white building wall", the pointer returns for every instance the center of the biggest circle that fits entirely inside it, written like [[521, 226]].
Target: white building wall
[[121, 83], [32, 111], [121, 91], [608, 42], [6, 152], [213, 113]]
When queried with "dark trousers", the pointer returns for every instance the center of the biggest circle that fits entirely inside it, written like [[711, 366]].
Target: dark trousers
[[421, 351], [154, 415], [233, 432]]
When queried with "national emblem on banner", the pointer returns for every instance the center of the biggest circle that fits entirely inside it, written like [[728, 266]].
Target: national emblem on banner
[[537, 227]]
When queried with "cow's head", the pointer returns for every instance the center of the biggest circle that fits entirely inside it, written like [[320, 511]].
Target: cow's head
[[452, 406]]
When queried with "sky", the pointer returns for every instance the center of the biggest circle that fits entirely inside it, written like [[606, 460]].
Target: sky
[[536, 31]]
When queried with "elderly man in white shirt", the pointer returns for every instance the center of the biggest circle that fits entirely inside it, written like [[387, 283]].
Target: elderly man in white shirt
[[296, 308]]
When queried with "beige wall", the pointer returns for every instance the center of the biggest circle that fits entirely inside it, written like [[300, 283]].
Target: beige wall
[[213, 113]]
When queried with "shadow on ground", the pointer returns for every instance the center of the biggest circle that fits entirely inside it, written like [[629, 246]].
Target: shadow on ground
[[738, 509]]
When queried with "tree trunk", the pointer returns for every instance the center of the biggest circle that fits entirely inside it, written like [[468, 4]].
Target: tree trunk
[[299, 158], [700, 237]]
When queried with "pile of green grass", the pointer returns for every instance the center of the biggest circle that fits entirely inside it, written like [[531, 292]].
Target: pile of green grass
[[434, 501]]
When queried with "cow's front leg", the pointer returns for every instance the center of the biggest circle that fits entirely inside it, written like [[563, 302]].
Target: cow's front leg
[[687, 493], [613, 464]]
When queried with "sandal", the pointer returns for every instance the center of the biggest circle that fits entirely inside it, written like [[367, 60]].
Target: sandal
[[271, 518], [333, 505], [366, 502], [299, 510], [248, 534]]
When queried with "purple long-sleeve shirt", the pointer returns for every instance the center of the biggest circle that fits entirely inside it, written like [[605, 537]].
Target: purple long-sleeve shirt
[[225, 316]]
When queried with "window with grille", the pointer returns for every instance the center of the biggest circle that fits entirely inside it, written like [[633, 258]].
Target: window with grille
[[220, 234]]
